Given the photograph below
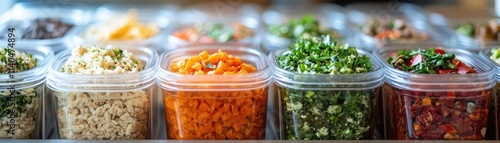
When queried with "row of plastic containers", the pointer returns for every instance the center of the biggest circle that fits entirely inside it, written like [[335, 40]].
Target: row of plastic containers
[[120, 106]]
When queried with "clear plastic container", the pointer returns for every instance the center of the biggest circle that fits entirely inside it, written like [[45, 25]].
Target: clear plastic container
[[495, 110], [159, 15], [416, 19], [328, 15], [22, 96], [447, 26], [202, 13], [103, 107], [327, 107], [75, 14], [215, 106], [437, 107]]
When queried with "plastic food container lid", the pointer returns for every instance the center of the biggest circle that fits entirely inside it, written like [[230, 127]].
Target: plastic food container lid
[[174, 81]]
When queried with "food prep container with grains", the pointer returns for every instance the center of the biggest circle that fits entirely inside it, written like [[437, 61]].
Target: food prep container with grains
[[327, 106], [447, 102], [294, 20], [220, 106], [39, 24], [22, 92], [103, 106], [214, 23], [127, 25]]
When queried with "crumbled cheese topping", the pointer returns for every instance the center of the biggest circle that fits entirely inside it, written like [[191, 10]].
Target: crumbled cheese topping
[[101, 60], [18, 61]]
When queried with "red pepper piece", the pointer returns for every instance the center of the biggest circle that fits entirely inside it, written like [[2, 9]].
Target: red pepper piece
[[416, 59], [448, 128], [458, 63], [438, 50]]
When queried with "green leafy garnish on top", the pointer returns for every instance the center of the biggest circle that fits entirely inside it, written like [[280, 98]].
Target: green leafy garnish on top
[[322, 55], [431, 61]]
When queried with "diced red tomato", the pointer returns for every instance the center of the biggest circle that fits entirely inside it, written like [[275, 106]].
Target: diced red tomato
[[458, 63], [416, 59], [438, 50]]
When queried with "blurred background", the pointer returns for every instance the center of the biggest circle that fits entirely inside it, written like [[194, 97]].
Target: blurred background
[[446, 7]]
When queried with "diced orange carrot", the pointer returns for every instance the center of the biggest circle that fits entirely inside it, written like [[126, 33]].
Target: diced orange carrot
[[426, 101], [196, 59], [212, 59], [215, 114], [204, 55], [222, 66]]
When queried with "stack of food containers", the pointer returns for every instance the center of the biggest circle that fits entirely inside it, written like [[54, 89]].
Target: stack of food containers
[[22, 82], [103, 93], [214, 92], [284, 23], [127, 25], [206, 24], [435, 93], [44, 25]]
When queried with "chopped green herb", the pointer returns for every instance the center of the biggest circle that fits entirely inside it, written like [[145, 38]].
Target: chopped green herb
[[210, 66], [326, 114], [323, 56]]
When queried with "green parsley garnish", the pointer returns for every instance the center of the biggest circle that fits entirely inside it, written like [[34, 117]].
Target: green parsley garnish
[[323, 56]]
